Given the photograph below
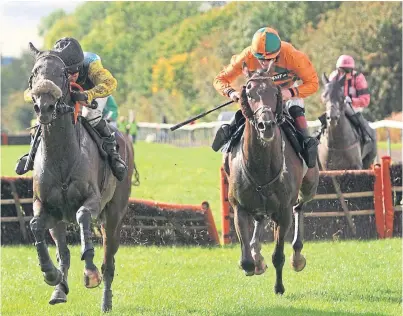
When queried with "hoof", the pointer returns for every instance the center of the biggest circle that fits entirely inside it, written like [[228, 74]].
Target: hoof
[[53, 278], [298, 263], [107, 301], [248, 267], [279, 289], [58, 296], [260, 268], [92, 278]]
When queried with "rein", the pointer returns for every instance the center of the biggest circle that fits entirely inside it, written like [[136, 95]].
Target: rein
[[278, 121], [61, 107]]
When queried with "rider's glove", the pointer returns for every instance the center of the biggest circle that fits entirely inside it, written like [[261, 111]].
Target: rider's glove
[[79, 96]]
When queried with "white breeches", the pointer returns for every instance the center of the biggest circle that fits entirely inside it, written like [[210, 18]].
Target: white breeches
[[294, 102], [93, 116]]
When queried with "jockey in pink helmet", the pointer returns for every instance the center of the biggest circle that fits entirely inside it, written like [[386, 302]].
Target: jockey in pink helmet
[[355, 91]]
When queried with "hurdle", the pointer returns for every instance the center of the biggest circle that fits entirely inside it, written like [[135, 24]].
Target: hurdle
[[344, 200], [146, 222]]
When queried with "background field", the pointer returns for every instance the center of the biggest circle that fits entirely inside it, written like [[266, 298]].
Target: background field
[[167, 173]]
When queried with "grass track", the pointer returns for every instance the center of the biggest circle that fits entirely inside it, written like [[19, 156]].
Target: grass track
[[341, 278]]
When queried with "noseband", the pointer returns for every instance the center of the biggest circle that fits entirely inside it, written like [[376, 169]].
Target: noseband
[[61, 107]]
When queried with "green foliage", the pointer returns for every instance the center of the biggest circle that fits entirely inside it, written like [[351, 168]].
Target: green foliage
[[372, 34], [170, 52], [47, 22]]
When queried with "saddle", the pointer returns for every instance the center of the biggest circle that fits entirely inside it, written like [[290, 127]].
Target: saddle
[[287, 126], [96, 137]]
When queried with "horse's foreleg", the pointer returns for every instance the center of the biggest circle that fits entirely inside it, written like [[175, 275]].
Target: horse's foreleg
[[281, 228], [111, 239], [51, 274], [260, 264], [92, 277], [241, 221], [297, 260], [58, 234]]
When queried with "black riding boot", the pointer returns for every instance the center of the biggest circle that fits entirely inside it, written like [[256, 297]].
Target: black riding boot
[[309, 144], [118, 166], [225, 131], [358, 121], [22, 161]]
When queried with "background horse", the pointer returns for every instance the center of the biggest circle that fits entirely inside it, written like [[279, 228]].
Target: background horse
[[340, 146], [266, 177], [71, 181]]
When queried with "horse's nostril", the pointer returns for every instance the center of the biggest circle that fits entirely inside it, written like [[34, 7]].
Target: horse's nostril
[[36, 108], [51, 107], [260, 126]]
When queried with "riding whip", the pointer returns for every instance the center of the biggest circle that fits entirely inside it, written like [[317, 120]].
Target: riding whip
[[175, 127]]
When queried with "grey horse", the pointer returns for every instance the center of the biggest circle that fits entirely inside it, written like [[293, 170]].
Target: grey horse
[[340, 145], [267, 178], [72, 182]]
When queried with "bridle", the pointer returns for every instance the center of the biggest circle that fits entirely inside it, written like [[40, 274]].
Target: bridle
[[61, 107], [252, 117]]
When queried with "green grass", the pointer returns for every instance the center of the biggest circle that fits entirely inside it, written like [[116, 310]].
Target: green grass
[[393, 146], [341, 278], [167, 173]]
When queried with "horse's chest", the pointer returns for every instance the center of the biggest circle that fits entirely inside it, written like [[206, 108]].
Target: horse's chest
[[264, 201], [63, 199]]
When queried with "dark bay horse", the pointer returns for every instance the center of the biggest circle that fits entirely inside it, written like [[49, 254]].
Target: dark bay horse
[[72, 182], [267, 178], [340, 147]]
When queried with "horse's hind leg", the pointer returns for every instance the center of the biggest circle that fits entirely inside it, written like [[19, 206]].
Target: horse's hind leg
[[369, 159], [260, 264], [297, 260], [111, 240], [61, 290], [282, 225], [52, 275], [92, 277], [241, 221]]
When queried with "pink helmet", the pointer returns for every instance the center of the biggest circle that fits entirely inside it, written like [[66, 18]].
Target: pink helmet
[[345, 61]]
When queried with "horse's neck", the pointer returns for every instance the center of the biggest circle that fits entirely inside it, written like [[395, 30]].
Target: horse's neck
[[343, 134], [263, 160], [60, 142]]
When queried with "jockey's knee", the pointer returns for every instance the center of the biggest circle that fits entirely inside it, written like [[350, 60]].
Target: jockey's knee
[[296, 111], [295, 107]]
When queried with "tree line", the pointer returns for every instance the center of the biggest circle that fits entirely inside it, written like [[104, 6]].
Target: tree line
[[165, 55]]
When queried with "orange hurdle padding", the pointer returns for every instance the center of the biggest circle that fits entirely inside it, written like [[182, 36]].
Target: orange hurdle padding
[[387, 196], [4, 139], [204, 209], [378, 202], [211, 224], [77, 105], [224, 208]]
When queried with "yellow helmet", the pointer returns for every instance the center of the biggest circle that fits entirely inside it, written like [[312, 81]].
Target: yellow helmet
[[266, 43]]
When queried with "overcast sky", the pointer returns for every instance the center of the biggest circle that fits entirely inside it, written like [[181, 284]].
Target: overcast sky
[[20, 19]]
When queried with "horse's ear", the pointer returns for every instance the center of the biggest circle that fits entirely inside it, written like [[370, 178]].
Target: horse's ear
[[34, 50], [325, 79], [245, 70]]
